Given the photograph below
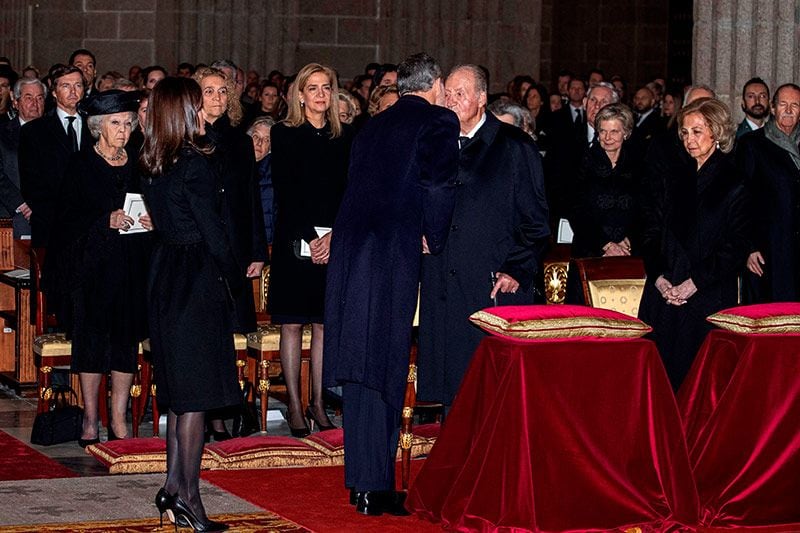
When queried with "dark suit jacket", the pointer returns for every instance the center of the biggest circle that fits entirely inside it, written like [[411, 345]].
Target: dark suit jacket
[[568, 147], [772, 184], [499, 225], [44, 151], [400, 188], [10, 196], [646, 131]]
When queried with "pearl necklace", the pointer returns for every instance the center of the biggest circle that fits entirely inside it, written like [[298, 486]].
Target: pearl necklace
[[113, 158]]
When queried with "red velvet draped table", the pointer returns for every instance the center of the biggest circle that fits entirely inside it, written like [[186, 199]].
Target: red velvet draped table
[[741, 410], [579, 435]]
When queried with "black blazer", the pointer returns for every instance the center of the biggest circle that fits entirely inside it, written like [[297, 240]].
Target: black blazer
[[44, 151], [10, 196], [400, 188]]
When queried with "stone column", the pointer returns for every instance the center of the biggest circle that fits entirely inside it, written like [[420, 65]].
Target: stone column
[[735, 40]]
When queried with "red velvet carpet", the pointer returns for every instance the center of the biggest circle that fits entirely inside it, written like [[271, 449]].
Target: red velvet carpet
[[19, 461], [314, 498]]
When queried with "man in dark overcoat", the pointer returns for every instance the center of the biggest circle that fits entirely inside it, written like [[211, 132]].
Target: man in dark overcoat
[[45, 146], [399, 196], [498, 235], [770, 161]]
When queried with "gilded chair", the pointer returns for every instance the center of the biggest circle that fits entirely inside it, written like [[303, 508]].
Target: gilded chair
[[614, 283]]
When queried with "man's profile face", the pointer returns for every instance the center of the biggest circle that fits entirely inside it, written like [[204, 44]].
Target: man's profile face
[[462, 97], [755, 103]]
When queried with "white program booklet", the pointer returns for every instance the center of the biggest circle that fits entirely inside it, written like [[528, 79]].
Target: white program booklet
[[564, 232], [134, 207], [305, 249]]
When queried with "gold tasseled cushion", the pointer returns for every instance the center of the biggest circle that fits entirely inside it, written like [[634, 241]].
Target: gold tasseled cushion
[[268, 337], [621, 295], [51, 345]]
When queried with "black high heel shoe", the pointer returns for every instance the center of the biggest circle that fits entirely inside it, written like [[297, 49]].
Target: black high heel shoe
[[83, 443], [113, 436], [314, 420], [164, 501], [182, 511]]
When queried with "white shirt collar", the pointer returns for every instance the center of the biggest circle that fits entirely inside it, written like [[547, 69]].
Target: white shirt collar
[[753, 125], [589, 133], [77, 123], [471, 133]]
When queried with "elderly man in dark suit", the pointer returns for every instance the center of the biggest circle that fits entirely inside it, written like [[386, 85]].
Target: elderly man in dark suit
[[399, 197], [45, 146], [28, 99], [498, 235]]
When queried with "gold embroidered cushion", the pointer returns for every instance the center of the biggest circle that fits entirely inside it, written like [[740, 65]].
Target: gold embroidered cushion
[[781, 317], [533, 322]]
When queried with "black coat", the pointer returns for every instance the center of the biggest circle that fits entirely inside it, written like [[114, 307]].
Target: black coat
[[400, 189], [309, 174], [102, 272], [10, 195], [606, 201], [772, 185], [240, 205], [191, 287], [44, 150], [499, 225], [702, 236]]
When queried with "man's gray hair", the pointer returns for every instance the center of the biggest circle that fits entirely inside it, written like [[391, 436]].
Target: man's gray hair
[[417, 73], [481, 84], [692, 88], [224, 63], [499, 107], [28, 81], [260, 121], [605, 84]]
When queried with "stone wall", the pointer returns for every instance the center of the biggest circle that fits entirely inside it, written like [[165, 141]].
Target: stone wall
[[735, 40], [503, 35]]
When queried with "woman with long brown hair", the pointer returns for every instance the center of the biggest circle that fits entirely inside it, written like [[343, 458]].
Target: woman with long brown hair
[[310, 154], [193, 278]]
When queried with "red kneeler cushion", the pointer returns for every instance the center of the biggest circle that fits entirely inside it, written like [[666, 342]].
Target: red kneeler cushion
[[138, 456], [537, 322], [771, 318]]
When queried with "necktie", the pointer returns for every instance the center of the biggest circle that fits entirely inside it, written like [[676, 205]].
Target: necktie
[[73, 137], [462, 141], [578, 117]]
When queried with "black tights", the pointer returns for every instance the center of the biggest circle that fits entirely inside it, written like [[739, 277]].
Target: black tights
[[184, 452]]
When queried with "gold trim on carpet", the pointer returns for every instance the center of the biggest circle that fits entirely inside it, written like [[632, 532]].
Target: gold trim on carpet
[[265, 521]]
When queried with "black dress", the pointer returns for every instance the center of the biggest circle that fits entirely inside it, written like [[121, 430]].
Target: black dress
[[193, 277], [701, 235], [240, 205], [309, 173], [103, 273]]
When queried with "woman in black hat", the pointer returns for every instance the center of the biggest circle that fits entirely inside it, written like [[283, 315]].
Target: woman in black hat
[[101, 267]]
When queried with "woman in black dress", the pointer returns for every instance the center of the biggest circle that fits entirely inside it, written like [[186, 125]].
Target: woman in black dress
[[310, 153], [234, 161], [191, 287], [103, 270], [693, 244]]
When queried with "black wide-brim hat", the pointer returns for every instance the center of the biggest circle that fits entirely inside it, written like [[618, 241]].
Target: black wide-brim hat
[[110, 102]]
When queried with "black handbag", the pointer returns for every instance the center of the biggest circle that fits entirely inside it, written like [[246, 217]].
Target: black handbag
[[63, 423]]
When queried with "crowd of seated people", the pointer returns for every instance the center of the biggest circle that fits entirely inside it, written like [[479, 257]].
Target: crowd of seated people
[[656, 171]]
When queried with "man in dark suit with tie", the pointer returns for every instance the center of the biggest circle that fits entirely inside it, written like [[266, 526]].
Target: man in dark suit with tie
[[570, 145], [28, 99], [497, 238], [399, 200], [84, 60], [45, 146], [648, 120]]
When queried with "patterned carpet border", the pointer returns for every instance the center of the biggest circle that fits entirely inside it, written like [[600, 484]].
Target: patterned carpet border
[[265, 521]]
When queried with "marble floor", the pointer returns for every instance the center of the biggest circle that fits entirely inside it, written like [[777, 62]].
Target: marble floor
[[17, 415]]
